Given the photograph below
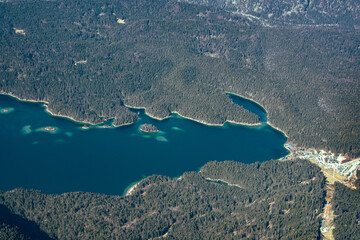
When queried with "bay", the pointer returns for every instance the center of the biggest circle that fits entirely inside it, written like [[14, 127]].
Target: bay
[[67, 158]]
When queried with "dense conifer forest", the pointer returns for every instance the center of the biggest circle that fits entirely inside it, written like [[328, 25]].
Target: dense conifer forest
[[91, 59], [272, 200], [346, 204]]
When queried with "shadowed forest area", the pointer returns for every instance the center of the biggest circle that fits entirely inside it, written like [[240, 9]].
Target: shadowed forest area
[[271, 200]]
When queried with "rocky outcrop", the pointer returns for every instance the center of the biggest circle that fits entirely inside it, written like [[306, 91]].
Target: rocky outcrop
[[344, 13], [149, 128]]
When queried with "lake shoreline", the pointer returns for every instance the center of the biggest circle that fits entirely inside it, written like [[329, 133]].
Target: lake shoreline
[[46, 105], [193, 119], [267, 122], [131, 188], [114, 156]]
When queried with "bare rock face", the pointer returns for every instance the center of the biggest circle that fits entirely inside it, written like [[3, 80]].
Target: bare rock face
[[148, 128]]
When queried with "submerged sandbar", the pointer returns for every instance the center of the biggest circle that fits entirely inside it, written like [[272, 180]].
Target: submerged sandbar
[[6, 110]]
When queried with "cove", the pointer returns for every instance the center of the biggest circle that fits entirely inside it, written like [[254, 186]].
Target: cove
[[249, 105], [65, 157]]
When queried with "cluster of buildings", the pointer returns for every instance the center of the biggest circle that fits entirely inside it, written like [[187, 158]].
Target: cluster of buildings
[[341, 167], [335, 168]]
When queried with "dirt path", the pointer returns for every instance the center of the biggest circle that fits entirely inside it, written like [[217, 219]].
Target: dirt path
[[327, 224]]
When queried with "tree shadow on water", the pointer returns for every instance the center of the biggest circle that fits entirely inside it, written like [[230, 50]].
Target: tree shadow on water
[[25, 227]]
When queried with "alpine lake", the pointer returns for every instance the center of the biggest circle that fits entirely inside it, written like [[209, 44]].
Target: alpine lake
[[57, 155]]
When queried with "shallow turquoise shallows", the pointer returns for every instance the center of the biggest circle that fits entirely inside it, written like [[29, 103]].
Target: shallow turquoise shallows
[[67, 158]]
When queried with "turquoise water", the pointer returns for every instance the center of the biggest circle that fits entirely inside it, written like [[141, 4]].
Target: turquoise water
[[106, 160]]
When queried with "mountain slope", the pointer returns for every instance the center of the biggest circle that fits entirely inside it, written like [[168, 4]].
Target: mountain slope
[[89, 60], [293, 12]]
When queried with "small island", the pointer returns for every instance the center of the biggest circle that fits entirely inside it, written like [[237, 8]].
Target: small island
[[148, 128], [52, 130]]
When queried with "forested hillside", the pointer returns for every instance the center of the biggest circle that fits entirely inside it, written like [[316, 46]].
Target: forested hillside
[[347, 209], [271, 200], [91, 59]]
